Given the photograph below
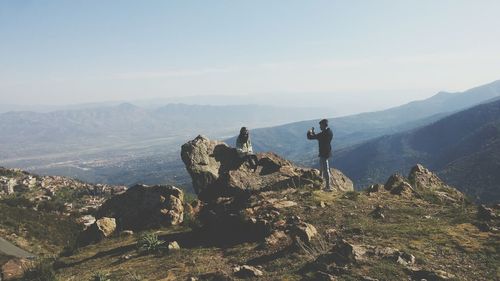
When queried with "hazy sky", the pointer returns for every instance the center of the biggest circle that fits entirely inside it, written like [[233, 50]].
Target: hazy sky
[[384, 52]]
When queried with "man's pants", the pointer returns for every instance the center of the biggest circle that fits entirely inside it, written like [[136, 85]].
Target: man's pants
[[325, 170]]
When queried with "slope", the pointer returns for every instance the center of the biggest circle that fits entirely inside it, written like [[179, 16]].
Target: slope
[[464, 148]]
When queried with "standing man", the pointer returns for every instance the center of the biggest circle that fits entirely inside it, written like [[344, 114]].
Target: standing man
[[325, 149]]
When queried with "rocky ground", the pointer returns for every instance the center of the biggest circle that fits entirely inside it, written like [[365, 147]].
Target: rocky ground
[[276, 224]]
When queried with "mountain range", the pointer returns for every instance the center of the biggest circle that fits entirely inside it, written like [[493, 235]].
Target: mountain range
[[464, 148], [290, 140]]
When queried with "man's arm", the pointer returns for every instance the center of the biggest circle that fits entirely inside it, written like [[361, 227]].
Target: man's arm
[[311, 135]]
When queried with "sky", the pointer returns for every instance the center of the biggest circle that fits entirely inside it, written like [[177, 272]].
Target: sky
[[371, 54]]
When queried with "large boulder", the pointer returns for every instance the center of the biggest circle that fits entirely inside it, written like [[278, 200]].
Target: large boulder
[[399, 185], [421, 181], [424, 180], [217, 171], [13, 269], [340, 182], [142, 207]]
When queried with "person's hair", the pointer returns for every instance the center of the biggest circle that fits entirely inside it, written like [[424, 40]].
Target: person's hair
[[243, 129], [323, 121]]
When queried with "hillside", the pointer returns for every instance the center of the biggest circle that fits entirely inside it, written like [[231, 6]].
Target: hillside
[[464, 148], [275, 224], [290, 139]]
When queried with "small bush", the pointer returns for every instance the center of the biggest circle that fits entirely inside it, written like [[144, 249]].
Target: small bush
[[100, 276], [40, 270], [134, 276], [351, 195], [316, 248], [17, 201], [191, 221], [149, 243]]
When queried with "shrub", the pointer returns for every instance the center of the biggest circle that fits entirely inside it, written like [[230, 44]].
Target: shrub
[[100, 276], [149, 243], [40, 270], [352, 195]]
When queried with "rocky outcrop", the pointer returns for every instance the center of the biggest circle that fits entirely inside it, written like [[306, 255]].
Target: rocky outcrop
[[142, 207], [217, 171], [424, 180], [340, 182], [420, 181], [398, 185], [102, 228]]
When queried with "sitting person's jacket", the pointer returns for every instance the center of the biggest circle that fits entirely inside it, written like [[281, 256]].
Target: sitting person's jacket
[[243, 147]]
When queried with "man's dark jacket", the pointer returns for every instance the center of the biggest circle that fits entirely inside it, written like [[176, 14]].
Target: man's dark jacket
[[324, 138]]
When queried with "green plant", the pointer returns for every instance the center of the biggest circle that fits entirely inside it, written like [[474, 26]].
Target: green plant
[[100, 276], [317, 247], [134, 276], [351, 195], [149, 243], [191, 221], [40, 270]]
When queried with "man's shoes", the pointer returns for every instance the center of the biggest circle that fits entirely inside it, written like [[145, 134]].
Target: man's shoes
[[328, 189]]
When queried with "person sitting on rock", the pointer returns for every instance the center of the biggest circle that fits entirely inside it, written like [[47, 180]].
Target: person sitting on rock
[[244, 148], [325, 149]]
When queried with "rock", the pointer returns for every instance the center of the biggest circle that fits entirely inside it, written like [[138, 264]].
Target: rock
[[424, 180], [284, 204], [125, 257], [304, 231], [106, 226], [434, 275], [323, 276], [127, 233], [193, 209], [217, 171], [340, 182], [9, 189], [398, 185], [394, 181], [173, 246], [485, 213], [86, 221], [374, 188], [343, 253], [142, 207], [247, 271], [102, 228], [405, 259], [331, 233], [377, 213], [275, 238], [13, 269], [367, 278]]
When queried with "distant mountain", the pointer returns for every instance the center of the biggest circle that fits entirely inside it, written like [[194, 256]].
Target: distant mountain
[[464, 148], [290, 139], [124, 143], [23, 133]]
